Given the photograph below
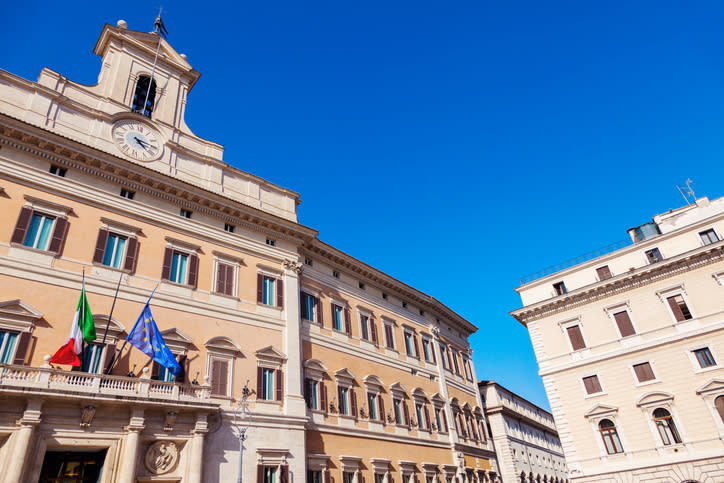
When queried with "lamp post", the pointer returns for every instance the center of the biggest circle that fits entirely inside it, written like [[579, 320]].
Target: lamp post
[[242, 422]]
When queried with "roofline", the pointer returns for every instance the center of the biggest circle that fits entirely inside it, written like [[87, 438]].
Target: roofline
[[493, 383]]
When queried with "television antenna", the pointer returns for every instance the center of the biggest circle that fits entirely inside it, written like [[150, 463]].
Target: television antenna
[[687, 191]]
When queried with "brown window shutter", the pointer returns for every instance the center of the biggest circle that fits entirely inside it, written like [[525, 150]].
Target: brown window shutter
[[323, 397], [131, 254], [21, 353], [21, 227], [284, 474], [353, 399], [347, 324], [388, 336], [259, 382], [432, 351], [220, 278], [279, 385], [444, 419], [407, 413], [306, 392], [417, 351], [574, 333], [320, 319], [166, 269], [230, 279], [303, 304], [193, 270], [110, 351], [280, 292], [427, 417], [60, 231], [373, 330], [339, 400], [625, 327], [259, 473], [155, 370], [181, 376], [638, 369], [328, 478], [678, 314], [381, 406], [603, 272], [100, 246], [259, 288], [221, 376]]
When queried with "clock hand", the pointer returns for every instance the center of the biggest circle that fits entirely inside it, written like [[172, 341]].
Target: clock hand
[[141, 142]]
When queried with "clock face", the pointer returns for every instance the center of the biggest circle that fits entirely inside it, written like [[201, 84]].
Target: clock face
[[137, 140]]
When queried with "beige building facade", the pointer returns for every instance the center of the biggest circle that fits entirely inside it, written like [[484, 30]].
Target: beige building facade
[[524, 435], [629, 346], [351, 375]]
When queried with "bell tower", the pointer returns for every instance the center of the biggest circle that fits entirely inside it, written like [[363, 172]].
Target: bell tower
[[141, 72]]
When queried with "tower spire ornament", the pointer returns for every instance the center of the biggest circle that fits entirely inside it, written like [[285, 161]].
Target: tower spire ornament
[[158, 26]]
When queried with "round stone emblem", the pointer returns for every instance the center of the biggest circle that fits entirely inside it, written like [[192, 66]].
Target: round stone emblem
[[161, 457]]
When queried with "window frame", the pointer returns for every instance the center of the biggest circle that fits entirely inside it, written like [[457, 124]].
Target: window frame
[[567, 324], [344, 380], [604, 269], [278, 296], [613, 431], [428, 349], [613, 310], [677, 290], [234, 263], [586, 394], [58, 232], [691, 353], [653, 255], [388, 327], [647, 382], [709, 231], [559, 288]]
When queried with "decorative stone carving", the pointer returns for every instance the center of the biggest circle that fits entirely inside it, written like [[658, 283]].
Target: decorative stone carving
[[86, 416], [293, 266], [161, 457], [170, 420]]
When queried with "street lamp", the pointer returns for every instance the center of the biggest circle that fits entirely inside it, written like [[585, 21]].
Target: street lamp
[[242, 422]]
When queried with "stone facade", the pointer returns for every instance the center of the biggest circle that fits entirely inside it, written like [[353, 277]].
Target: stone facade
[[349, 374], [629, 349], [524, 435]]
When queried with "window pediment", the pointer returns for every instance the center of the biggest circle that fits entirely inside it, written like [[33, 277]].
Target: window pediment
[[715, 385], [18, 315], [350, 463], [398, 390], [654, 398], [373, 382], [314, 369], [115, 327], [344, 376], [419, 393], [222, 344], [177, 340], [436, 398], [271, 355], [601, 410], [380, 465]]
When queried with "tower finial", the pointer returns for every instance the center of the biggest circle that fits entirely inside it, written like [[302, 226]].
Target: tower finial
[[158, 25]]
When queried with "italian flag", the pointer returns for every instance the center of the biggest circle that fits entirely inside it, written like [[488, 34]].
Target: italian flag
[[82, 329]]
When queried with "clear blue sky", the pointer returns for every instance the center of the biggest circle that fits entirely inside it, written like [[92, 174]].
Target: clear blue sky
[[455, 145]]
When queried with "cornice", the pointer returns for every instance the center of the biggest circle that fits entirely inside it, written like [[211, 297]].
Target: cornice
[[643, 276], [71, 154]]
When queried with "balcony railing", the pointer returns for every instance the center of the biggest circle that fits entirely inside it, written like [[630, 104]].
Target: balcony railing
[[83, 382]]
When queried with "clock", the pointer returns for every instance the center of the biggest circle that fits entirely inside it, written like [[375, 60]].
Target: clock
[[137, 140]]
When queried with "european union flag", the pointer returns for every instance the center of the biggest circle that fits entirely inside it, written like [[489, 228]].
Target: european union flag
[[146, 338]]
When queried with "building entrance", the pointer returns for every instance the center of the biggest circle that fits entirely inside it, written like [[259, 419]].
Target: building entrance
[[72, 466]]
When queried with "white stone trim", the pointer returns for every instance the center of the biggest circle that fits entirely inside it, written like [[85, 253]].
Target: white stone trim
[[47, 207]]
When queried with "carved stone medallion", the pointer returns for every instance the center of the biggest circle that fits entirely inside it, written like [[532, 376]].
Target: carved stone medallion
[[161, 457]]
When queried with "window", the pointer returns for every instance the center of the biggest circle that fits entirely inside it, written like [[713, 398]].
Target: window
[[267, 385], [376, 407], [402, 415], [93, 359], [468, 369], [575, 337], [623, 322], [57, 170], [653, 255], [368, 328], [592, 385], [39, 230], [269, 474], [270, 291], [335, 273], [128, 194], [384, 296], [444, 355], [704, 357], [144, 97], [611, 441], [644, 372], [314, 476], [560, 288], [455, 361], [219, 377], [180, 267], [389, 336], [441, 420], [44, 230], [666, 427], [308, 261], [310, 308], [362, 286], [311, 393], [679, 308], [8, 341], [340, 319], [185, 213], [423, 419], [708, 236], [225, 278], [404, 305], [347, 401], [719, 405], [411, 344], [428, 350], [271, 242], [603, 272], [228, 228]]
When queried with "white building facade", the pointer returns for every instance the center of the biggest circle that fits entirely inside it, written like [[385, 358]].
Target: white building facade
[[630, 349]]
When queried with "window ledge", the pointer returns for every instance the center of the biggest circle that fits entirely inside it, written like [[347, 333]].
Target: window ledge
[[110, 269], [647, 383], [176, 288], [32, 255], [595, 394], [707, 369]]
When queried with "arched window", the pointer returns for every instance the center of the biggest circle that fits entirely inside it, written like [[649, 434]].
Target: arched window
[[144, 98], [610, 437], [666, 427], [719, 403]]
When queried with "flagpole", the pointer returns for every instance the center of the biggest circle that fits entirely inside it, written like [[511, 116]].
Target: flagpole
[[82, 319], [118, 354], [113, 305]]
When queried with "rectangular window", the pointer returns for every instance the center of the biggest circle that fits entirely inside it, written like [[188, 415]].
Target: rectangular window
[[389, 340], [408, 345], [338, 318], [314, 476], [347, 477], [592, 385], [335, 273], [219, 377], [309, 262], [560, 288], [420, 416], [8, 340], [678, 308], [704, 357], [623, 322], [364, 323], [468, 369], [372, 402], [443, 352], [271, 242], [39, 231], [603, 272], [229, 228], [57, 170], [179, 267], [438, 419], [115, 251], [312, 394], [361, 286], [428, 350], [644, 372], [653, 255], [708, 236], [270, 474], [92, 358], [164, 374], [225, 278], [344, 400], [268, 291], [455, 361], [185, 213], [576, 338], [309, 305], [128, 194], [267, 386], [397, 404]]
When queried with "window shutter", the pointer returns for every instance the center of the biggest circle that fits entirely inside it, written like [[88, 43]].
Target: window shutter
[[230, 279], [603, 272], [417, 351], [259, 382], [280, 292], [347, 324], [220, 278], [427, 417], [373, 330], [278, 383], [306, 392], [719, 405], [444, 419], [100, 246], [678, 314], [381, 405], [284, 474], [323, 397], [574, 333], [181, 376], [638, 369], [353, 398], [193, 270], [407, 413], [219, 377], [339, 400], [625, 327], [155, 370], [259, 473], [318, 303], [21, 227], [303, 304], [131, 254], [59, 233], [22, 351], [166, 270], [327, 476], [110, 351], [259, 288]]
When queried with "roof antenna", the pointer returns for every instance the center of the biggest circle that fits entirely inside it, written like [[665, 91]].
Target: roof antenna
[[687, 191]]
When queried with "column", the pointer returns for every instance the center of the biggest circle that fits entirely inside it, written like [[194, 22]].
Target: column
[[196, 459], [129, 456], [21, 440], [293, 400]]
